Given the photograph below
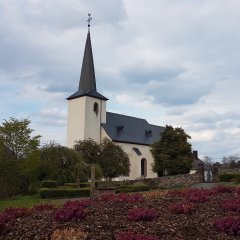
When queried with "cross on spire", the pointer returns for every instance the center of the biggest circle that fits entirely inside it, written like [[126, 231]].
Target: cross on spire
[[89, 20]]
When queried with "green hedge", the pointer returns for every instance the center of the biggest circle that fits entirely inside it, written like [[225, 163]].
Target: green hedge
[[74, 185], [64, 192], [49, 184], [133, 188], [230, 178]]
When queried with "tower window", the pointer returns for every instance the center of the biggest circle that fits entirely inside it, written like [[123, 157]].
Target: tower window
[[95, 107]]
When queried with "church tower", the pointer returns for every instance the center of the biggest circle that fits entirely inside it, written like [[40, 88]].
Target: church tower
[[86, 107]]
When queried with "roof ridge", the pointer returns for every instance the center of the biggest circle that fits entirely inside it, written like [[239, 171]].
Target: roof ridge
[[128, 116]]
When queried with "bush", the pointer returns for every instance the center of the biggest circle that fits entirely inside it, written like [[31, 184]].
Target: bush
[[142, 214], [230, 177], [182, 207], [229, 225], [133, 188], [134, 236], [49, 184], [231, 205], [82, 185], [195, 195], [64, 192]]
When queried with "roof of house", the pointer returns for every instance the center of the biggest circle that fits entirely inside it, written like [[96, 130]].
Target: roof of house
[[122, 128], [87, 83]]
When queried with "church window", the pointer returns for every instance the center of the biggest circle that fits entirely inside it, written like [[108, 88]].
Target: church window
[[143, 168], [95, 107]]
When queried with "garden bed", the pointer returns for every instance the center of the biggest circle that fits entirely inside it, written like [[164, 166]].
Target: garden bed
[[189, 214]]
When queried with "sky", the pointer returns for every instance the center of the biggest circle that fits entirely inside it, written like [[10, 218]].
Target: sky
[[170, 62]]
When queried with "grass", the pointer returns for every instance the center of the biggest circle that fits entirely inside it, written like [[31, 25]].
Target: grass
[[25, 201]]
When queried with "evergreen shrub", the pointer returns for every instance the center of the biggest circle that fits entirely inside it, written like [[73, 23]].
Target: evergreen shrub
[[230, 177], [49, 184], [133, 188]]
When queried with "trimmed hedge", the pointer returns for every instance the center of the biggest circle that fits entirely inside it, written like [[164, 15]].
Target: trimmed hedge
[[133, 188], [74, 185], [230, 178], [49, 184], [64, 192]]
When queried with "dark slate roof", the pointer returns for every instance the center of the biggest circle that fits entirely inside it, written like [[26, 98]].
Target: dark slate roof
[[87, 83], [122, 128]]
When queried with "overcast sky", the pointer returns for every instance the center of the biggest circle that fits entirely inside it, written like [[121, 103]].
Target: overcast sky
[[174, 62]]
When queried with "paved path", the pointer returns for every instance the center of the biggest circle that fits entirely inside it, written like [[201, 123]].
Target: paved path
[[204, 185]]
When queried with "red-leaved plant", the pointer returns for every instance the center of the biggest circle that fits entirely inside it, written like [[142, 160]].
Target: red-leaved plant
[[72, 210], [43, 207], [9, 216], [196, 195], [134, 236], [142, 214], [223, 189], [231, 205], [229, 225], [181, 207]]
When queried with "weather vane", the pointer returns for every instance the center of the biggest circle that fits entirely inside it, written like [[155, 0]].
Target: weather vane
[[89, 20]]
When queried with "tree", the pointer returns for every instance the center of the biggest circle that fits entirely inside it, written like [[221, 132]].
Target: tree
[[232, 161], [16, 135], [9, 172], [208, 160], [61, 164], [89, 150], [113, 160], [172, 153]]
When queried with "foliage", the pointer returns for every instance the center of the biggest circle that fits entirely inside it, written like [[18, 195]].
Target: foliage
[[64, 192], [43, 207], [133, 188], [114, 161], [89, 150], [134, 236], [231, 205], [195, 195], [142, 214], [232, 161], [229, 225], [16, 135], [59, 163], [172, 153], [72, 210], [9, 173], [110, 157], [230, 177], [181, 207], [49, 184], [223, 189]]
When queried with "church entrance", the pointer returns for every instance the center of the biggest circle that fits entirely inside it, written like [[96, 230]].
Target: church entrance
[[143, 168]]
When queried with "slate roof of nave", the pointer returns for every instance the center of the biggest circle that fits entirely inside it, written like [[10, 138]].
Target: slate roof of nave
[[127, 129]]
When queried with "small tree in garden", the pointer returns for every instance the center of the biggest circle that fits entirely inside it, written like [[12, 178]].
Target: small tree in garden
[[113, 160], [16, 135], [89, 150], [172, 153], [61, 164]]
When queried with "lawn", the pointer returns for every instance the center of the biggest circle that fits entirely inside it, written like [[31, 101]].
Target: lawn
[[185, 214], [25, 201]]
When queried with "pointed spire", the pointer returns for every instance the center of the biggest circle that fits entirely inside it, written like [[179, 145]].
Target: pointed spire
[[87, 84], [87, 77]]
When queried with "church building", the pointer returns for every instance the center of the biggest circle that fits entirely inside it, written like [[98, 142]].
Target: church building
[[88, 119]]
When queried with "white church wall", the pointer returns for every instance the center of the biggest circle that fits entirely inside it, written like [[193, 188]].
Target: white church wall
[[76, 120], [135, 160]]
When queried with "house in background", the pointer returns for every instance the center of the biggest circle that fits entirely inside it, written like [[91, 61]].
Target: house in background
[[88, 119]]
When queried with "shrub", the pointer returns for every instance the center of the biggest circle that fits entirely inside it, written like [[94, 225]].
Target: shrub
[[72, 185], [64, 192], [133, 188], [49, 184], [72, 210], [223, 189], [142, 214], [43, 207], [229, 177], [229, 225], [231, 205], [134, 236], [195, 195], [182, 207]]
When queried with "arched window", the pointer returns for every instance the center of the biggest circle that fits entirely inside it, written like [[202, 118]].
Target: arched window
[[143, 168], [95, 107]]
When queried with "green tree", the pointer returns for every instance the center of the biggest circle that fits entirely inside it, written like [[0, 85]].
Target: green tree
[[89, 150], [60, 163], [9, 172], [16, 135], [113, 160], [172, 153]]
